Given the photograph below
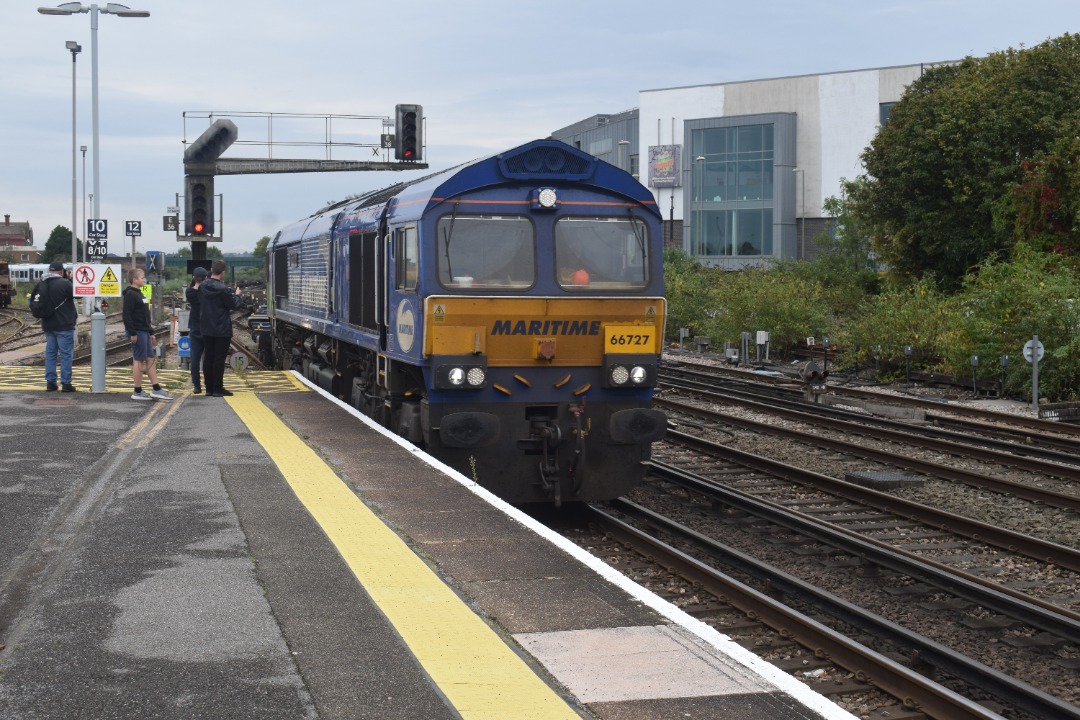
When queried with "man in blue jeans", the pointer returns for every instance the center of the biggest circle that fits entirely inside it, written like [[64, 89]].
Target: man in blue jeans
[[59, 327]]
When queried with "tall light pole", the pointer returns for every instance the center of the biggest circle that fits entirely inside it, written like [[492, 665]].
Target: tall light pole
[[698, 181], [75, 49], [802, 211], [74, 8], [82, 148]]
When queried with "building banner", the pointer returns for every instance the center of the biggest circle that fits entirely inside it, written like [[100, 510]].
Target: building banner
[[664, 166]]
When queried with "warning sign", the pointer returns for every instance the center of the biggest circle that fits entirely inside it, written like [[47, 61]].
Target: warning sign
[[109, 283], [100, 280]]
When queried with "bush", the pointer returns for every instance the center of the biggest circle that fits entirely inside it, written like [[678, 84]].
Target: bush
[[1003, 305], [789, 305]]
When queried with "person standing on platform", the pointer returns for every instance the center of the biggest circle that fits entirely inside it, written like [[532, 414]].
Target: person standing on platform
[[59, 327], [215, 323], [198, 275], [138, 329]]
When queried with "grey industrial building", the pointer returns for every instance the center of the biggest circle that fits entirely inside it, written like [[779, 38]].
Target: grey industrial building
[[740, 170]]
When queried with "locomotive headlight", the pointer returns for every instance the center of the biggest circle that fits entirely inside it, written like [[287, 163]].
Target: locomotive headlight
[[460, 372], [544, 199], [619, 375], [629, 370]]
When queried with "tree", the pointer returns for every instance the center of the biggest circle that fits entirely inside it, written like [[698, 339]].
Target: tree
[[211, 252], [260, 247], [58, 246], [940, 190]]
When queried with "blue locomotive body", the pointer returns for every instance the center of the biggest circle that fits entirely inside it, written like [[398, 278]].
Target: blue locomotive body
[[507, 315]]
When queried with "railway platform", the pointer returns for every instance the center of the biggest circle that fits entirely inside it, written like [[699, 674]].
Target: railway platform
[[275, 555]]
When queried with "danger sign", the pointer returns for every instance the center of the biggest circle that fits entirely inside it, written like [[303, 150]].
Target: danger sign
[[96, 280]]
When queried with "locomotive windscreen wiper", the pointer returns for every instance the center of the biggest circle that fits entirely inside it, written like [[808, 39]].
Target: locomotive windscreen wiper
[[447, 233], [641, 242]]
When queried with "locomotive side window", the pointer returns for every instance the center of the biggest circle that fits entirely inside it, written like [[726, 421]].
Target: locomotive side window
[[601, 253], [486, 251], [406, 254], [281, 277]]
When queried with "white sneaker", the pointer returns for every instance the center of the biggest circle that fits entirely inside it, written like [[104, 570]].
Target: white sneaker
[[140, 396], [160, 395]]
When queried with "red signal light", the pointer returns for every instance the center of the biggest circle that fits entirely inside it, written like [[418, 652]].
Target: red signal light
[[198, 228]]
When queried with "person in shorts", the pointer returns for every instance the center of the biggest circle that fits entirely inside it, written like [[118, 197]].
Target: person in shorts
[[138, 329]]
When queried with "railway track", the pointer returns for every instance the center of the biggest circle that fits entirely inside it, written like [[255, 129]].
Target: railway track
[[954, 591], [965, 419], [831, 661]]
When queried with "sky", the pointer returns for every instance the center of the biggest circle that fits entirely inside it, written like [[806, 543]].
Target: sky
[[490, 75]]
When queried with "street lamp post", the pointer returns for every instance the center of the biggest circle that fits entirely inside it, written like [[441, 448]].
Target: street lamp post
[[74, 8], [75, 49], [802, 211], [82, 148], [698, 180]]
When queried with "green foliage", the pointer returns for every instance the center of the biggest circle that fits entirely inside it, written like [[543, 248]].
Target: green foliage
[[999, 307], [1003, 305], [212, 251], [689, 293], [790, 304], [260, 247], [58, 246], [918, 315], [1043, 210], [940, 191]]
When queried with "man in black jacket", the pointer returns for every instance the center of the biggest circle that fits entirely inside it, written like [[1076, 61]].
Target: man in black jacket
[[138, 329], [191, 293], [215, 322], [59, 327]]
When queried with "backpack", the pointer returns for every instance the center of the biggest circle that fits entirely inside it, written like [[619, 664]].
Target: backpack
[[40, 305]]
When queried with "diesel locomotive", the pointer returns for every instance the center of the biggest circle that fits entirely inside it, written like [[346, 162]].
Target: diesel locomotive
[[507, 315]]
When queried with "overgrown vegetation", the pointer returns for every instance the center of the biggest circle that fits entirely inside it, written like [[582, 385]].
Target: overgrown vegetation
[[999, 307], [961, 239]]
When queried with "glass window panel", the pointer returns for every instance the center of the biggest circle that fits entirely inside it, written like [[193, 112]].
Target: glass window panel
[[488, 251], [766, 231], [407, 258], [750, 138], [601, 253]]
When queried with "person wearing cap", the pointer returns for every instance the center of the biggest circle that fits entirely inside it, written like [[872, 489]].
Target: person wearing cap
[[59, 328], [218, 302], [137, 327], [191, 294]]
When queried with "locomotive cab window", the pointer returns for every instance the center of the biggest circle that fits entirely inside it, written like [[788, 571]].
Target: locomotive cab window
[[486, 251], [406, 254], [601, 253]]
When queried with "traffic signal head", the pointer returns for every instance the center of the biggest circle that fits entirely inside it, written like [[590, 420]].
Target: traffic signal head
[[812, 374], [199, 205], [408, 139]]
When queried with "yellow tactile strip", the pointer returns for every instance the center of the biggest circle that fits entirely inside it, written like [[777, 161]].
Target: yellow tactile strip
[[480, 675], [118, 380]]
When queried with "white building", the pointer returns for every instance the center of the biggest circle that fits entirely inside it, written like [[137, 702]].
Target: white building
[[740, 170]]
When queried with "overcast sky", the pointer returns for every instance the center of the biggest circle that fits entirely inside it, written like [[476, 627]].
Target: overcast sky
[[490, 74]]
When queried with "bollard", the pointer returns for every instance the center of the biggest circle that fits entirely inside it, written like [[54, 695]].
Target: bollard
[[97, 352]]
